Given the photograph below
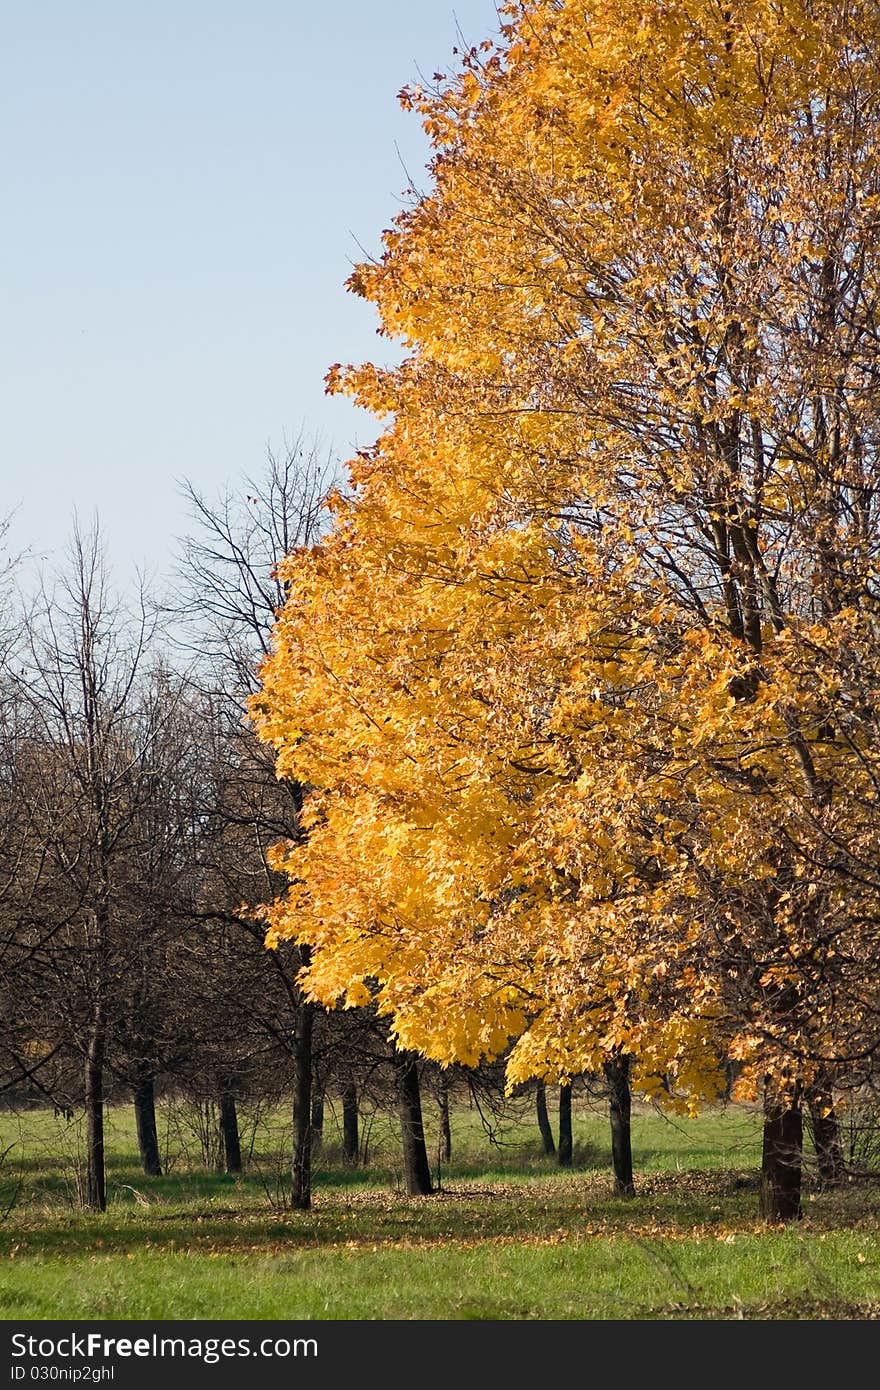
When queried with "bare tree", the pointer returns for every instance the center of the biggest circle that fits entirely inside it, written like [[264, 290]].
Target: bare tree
[[229, 594], [93, 730]]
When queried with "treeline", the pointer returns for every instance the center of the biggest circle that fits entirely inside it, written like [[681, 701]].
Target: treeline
[[138, 816]]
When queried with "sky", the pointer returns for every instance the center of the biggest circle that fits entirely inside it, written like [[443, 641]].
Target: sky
[[186, 186]]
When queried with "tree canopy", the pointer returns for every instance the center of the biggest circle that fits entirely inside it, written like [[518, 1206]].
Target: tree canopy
[[583, 679]]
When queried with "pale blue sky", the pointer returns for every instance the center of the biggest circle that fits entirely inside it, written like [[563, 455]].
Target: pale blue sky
[[184, 186]]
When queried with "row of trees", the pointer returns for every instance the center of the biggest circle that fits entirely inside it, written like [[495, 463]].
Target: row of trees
[[138, 810], [584, 680], [139, 815]]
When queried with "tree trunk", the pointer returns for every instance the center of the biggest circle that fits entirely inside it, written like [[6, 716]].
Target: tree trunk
[[229, 1131], [317, 1116], [95, 1195], [620, 1106], [826, 1135], [417, 1172], [443, 1105], [782, 1155], [145, 1119], [350, 1140], [301, 1192], [565, 1139], [544, 1119]]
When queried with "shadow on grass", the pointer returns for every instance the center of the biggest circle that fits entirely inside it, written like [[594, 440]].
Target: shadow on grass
[[266, 1181], [224, 1216]]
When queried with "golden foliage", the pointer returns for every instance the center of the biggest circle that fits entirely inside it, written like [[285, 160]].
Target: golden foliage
[[584, 679]]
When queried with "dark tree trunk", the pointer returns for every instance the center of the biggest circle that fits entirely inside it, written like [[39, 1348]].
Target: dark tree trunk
[[317, 1116], [544, 1119], [564, 1156], [350, 1140], [145, 1119], [301, 1192], [96, 1192], [731, 1072], [620, 1107], [782, 1156], [443, 1105], [416, 1170], [826, 1135], [229, 1131]]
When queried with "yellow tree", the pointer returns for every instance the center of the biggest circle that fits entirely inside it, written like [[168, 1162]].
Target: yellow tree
[[585, 676]]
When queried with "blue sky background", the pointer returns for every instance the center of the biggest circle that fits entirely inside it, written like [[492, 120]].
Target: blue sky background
[[185, 184]]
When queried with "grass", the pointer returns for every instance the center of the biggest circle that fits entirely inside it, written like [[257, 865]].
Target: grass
[[508, 1236]]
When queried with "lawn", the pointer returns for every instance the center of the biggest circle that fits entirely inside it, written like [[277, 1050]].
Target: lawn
[[508, 1236]]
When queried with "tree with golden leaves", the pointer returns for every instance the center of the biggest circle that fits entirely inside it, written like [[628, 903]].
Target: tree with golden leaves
[[585, 676]]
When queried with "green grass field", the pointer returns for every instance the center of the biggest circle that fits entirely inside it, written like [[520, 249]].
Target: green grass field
[[507, 1236]]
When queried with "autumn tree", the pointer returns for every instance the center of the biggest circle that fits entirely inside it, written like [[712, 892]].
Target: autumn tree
[[585, 676]]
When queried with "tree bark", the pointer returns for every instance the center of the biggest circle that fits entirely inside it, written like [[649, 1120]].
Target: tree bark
[[96, 1191], [782, 1154], [145, 1120], [229, 1131], [826, 1135], [350, 1140], [301, 1192], [566, 1146], [620, 1107], [544, 1119], [317, 1116], [416, 1170]]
